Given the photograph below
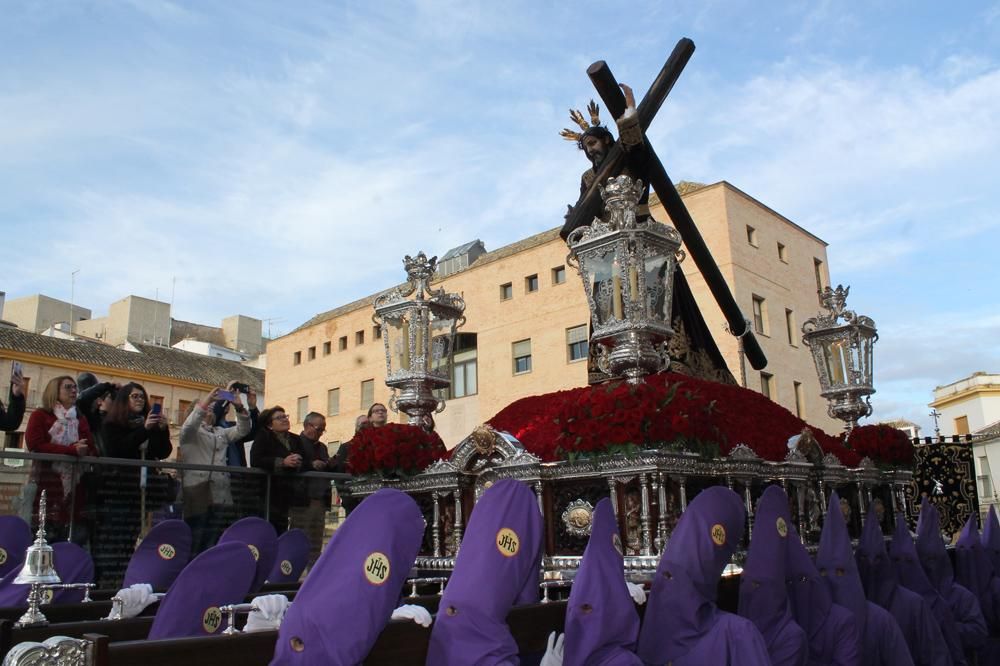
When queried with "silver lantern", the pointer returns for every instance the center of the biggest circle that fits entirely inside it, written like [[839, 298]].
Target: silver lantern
[[841, 343], [418, 327], [627, 266]]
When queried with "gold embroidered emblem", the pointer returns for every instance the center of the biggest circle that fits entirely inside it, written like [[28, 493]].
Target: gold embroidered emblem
[[508, 543], [211, 619], [254, 551], [377, 568], [782, 527], [718, 535], [166, 551], [3, 556], [286, 567]]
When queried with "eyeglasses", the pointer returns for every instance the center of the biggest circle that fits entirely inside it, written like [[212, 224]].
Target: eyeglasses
[[137, 396], [280, 417], [316, 427], [69, 387]]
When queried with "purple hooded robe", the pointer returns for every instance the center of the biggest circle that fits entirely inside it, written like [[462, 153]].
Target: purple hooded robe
[[974, 570], [832, 630], [262, 540], [763, 592], [602, 625], [15, 537], [683, 625], [934, 558], [292, 557], [904, 556], [348, 597], [496, 567], [161, 556], [882, 641], [881, 583]]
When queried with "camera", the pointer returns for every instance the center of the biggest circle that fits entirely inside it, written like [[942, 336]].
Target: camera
[[241, 388]]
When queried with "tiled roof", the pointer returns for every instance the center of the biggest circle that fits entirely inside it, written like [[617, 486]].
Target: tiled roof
[[150, 359], [182, 330], [992, 430]]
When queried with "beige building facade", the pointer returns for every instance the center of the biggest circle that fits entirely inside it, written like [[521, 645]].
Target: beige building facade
[[38, 312], [968, 405], [527, 318]]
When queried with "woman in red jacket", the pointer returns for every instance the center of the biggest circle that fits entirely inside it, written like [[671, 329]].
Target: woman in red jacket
[[56, 428]]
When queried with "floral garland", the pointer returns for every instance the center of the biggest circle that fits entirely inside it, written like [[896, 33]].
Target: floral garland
[[395, 449], [666, 410], [885, 445]]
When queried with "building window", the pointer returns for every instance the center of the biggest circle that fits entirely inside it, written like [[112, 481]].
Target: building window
[[521, 351], [367, 393], [506, 291], [531, 283], [342, 343], [326, 348], [303, 408], [962, 425], [465, 366], [759, 314], [751, 236], [766, 385], [376, 332], [559, 275], [576, 343], [182, 410], [359, 338], [782, 254], [985, 482], [297, 358], [800, 402], [311, 353], [818, 269], [333, 402], [790, 326]]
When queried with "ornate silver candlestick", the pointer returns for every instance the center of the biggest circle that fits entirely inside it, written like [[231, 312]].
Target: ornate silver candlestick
[[38, 571]]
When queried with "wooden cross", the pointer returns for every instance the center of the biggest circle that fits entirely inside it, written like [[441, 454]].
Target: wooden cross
[[589, 203]]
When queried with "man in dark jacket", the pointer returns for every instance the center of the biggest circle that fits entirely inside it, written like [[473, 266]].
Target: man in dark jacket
[[314, 495], [10, 418]]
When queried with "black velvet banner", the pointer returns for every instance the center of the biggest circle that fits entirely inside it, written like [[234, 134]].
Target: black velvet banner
[[945, 474]]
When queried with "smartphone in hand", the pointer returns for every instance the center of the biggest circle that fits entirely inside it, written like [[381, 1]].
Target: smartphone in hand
[[156, 409], [226, 395], [16, 369]]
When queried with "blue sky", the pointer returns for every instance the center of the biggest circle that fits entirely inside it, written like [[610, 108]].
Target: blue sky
[[279, 159]]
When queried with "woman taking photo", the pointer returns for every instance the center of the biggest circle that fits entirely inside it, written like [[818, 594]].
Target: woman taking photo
[[277, 451], [208, 501], [56, 428], [132, 429]]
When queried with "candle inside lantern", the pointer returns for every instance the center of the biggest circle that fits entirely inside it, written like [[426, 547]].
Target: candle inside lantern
[[420, 345], [633, 286], [405, 362], [616, 293]]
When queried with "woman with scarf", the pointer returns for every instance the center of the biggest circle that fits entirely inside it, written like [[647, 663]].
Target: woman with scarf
[[56, 428]]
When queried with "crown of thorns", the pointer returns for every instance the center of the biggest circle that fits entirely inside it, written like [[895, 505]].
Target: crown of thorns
[[577, 117]]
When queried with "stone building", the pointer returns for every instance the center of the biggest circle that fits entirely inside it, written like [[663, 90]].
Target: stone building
[[526, 322]]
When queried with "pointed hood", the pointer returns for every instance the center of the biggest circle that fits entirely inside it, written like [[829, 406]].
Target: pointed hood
[[681, 608], [991, 540], [903, 554], [878, 575], [262, 540], [293, 554], [932, 551], [811, 599], [15, 537], [161, 556], [601, 620], [763, 592], [972, 566], [836, 564]]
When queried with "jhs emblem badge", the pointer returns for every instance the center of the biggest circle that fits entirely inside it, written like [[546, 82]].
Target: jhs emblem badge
[[377, 568], [254, 551], [211, 619], [616, 541], [718, 535], [166, 551], [286, 567], [508, 542], [47, 596], [782, 527], [3, 556]]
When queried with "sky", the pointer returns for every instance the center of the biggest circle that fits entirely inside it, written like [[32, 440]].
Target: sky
[[279, 159]]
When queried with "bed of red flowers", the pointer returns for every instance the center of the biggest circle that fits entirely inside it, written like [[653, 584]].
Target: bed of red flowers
[[667, 410], [885, 445], [394, 450]]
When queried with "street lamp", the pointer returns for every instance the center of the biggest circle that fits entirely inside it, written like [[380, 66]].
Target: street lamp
[[419, 335], [627, 267], [841, 343]]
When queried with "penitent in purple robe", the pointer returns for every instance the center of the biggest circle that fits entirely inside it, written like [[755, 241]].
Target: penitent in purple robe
[[831, 629], [763, 592], [348, 597], [974, 570], [683, 626], [904, 556], [262, 540], [882, 642], [15, 537], [161, 556], [602, 625], [292, 557], [934, 558], [911, 612], [497, 566]]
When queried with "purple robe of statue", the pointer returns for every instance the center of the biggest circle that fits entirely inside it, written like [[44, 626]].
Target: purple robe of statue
[[15, 537], [602, 625], [292, 557], [763, 592], [219, 576], [682, 625], [260, 537], [882, 642], [934, 558], [832, 630], [161, 556], [903, 554], [348, 597], [911, 612], [497, 567]]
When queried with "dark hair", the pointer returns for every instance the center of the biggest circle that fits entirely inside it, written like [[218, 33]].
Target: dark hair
[[267, 416], [312, 416], [120, 412], [372, 408], [85, 380], [600, 131]]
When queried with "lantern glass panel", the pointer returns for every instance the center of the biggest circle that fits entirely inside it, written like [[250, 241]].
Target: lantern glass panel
[[835, 356], [657, 269], [601, 270]]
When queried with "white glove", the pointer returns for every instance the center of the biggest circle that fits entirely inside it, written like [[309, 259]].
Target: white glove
[[134, 599], [269, 614], [637, 592], [554, 653], [418, 614]]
